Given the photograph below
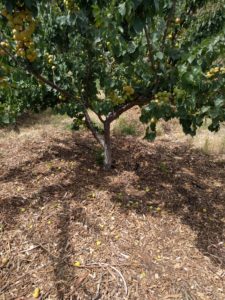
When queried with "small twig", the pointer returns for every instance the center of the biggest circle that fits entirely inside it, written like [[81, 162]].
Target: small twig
[[215, 257], [112, 273], [98, 288], [104, 265], [46, 250], [100, 117], [150, 48], [123, 279], [4, 287], [77, 284], [18, 279], [30, 249], [12, 283]]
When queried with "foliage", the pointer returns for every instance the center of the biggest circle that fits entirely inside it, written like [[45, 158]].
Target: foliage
[[166, 56]]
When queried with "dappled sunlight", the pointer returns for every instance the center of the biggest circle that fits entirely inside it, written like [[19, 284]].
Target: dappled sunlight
[[148, 217]]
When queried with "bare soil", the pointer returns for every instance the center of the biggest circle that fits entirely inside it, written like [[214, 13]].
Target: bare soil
[[151, 228]]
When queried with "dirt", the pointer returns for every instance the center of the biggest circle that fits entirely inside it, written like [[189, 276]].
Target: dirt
[[151, 228]]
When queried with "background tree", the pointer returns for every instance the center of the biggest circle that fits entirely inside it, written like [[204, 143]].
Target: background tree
[[105, 57]]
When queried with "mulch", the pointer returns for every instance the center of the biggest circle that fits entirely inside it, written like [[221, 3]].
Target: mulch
[[151, 228]]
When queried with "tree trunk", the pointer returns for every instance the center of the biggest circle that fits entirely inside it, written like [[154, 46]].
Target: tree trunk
[[107, 147], [103, 140]]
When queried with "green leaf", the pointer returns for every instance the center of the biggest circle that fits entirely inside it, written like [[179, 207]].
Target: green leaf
[[205, 109], [138, 25], [219, 102], [150, 135], [159, 55], [6, 119], [9, 6], [28, 3], [122, 9], [156, 2], [132, 47], [191, 59]]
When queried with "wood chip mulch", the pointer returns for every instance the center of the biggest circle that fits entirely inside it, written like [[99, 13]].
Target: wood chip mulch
[[152, 228]]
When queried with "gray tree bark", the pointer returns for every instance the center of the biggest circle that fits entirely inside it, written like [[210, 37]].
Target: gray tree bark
[[107, 147]]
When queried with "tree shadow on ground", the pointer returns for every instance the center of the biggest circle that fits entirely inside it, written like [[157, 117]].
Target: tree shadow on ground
[[74, 184], [185, 183], [181, 181]]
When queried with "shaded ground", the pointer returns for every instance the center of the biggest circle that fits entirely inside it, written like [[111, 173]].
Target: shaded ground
[[152, 228]]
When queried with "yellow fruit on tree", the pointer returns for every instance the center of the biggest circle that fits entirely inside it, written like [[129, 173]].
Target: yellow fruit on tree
[[2, 52], [18, 28], [18, 37], [32, 57], [21, 52], [19, 44], [4, 44], [153, 120], [4, 12], [209, 75], [17, 21], [128, 90], [14, 31]]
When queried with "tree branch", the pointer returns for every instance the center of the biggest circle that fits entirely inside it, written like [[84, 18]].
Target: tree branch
[[168, 22], [140, 100], [38, 76], [150, 48], [91, 127], [99, 116]]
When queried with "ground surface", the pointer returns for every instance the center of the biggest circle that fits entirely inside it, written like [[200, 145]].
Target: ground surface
[[152, 228]]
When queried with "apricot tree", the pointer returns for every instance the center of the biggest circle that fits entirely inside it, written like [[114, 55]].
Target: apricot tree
[[166, 56]]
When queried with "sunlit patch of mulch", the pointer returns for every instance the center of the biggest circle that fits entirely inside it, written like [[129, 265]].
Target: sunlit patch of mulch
[[152, 228]]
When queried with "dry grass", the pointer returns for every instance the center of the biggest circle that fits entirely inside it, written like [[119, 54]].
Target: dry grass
[[152, 228], [208, 142], [128, 124], [36, 124]]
